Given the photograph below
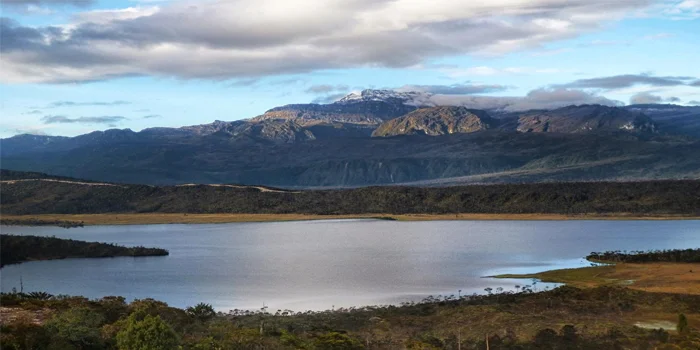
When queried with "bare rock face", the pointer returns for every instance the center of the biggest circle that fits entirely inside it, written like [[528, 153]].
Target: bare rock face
[[370, 108], [585, 119], [435, 121]]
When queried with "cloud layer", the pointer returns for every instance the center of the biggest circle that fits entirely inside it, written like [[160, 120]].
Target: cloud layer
[[92, 103], [648, 97], [219, 39], [545, 98], [629, 80], [60, 119]]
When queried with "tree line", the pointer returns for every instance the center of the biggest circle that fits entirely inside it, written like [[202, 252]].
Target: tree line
[[670, 255], [38, 222], [16, 249], [640, 198]]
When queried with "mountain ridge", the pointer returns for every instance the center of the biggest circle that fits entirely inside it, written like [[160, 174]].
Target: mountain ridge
[[585, 118], [348, 162], [316, 145]]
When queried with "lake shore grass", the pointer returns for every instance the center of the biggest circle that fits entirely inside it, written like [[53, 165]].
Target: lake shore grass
[[677, 278], [182, 218]]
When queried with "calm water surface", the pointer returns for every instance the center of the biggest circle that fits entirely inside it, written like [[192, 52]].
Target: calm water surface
[[319, 264]]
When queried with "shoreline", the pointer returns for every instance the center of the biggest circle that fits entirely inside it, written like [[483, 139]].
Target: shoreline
[[658, 277], [182, 218]]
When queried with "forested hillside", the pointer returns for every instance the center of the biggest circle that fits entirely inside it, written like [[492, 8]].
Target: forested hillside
[[66, 197]]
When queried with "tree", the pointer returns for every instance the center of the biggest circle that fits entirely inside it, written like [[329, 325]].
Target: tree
[[23, 334], [201, 311], [39, 295], [682, 326], [336, 341], [78, 326], [546, 338], [149, 333], [568, 333]]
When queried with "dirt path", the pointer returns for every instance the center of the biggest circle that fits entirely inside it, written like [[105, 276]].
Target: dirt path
[[259, 188], [10, 182]]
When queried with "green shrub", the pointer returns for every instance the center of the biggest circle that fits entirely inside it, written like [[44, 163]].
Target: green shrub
[[149, 333]]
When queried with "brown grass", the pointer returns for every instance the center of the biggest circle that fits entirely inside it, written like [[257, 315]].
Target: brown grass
[[179, 218], [651, 277]]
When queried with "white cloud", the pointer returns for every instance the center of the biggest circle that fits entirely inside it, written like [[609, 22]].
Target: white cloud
[[33, 9], [106, 16], [219, 39], [683, 10], [672, 9]]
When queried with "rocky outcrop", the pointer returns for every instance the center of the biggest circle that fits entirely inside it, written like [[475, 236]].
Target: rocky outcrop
[[280, 131], [437, 121]]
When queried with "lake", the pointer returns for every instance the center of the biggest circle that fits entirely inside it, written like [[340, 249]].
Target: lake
[[316, 265]]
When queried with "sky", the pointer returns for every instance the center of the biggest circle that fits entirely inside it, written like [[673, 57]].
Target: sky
[[68, 67]]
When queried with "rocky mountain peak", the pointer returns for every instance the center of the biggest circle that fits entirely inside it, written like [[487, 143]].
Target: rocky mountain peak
[[380, 95]]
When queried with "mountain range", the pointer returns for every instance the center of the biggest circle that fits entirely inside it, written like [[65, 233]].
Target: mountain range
[[380, 137]]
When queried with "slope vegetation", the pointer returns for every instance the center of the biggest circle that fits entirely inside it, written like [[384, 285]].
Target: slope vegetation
[[656, 197]]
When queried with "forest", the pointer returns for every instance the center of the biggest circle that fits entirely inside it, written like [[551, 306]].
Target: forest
[[641, 198], [16, 249], [669, 255], [36, 222], [564, 318]]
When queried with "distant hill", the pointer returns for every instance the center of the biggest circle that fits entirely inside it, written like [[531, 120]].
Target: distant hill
[[330, 145], [586, 119], [480, 157], [436, 121], [672, 119]]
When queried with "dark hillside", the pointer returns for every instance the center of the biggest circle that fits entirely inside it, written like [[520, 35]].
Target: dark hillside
[[652, 197], [348, 162]]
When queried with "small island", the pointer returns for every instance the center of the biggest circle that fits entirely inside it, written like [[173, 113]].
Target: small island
[[15, 249]]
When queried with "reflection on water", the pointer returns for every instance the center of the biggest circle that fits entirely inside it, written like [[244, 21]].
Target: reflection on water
[[320, 264]]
